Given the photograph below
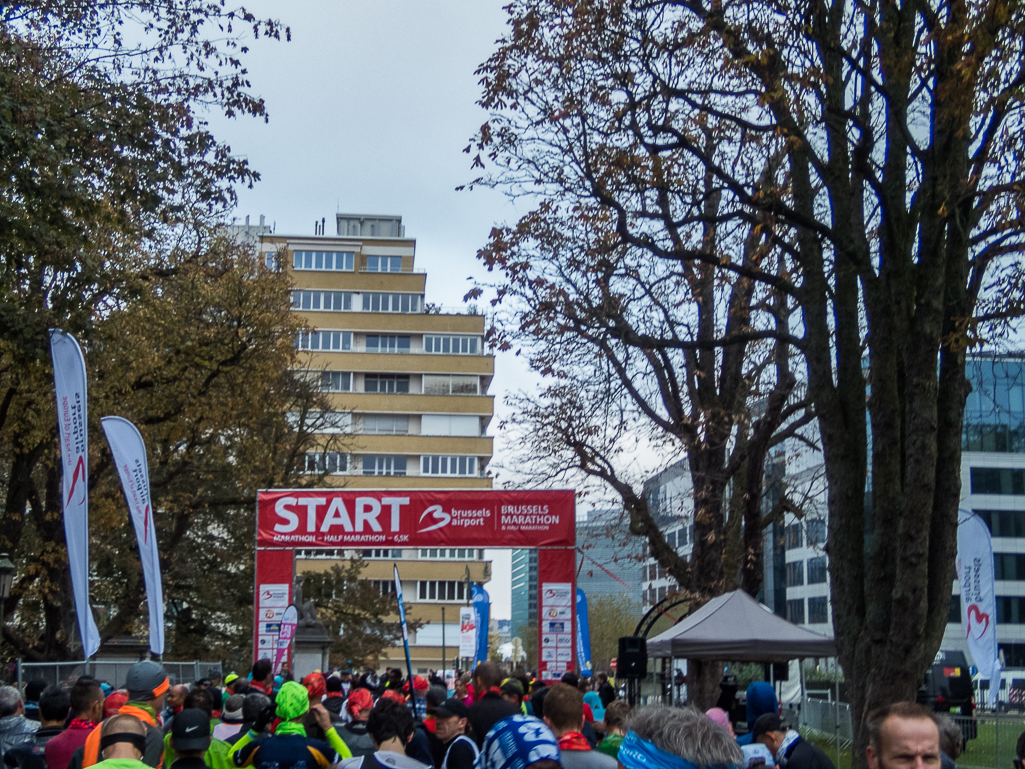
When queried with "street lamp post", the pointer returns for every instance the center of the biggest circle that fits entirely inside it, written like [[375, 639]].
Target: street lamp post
[[6, 585]]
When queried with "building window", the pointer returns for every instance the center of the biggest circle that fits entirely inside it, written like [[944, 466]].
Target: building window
[[818, 610], [328, 341], [385, 553], [817, 570], [436, 465], [451, 345], [384, 264], [1010, 610], [334, 301], [954, 615], [453, 553], [385, 424], [381, 343], [270, 259], [1009, 566], [343, 261], [816, 531], [336, 381], [997, 480], [793, 536], [319, 553], [441, 590], [386, 383], [1004, 523], [795, 611], [450, 384], [795, 573], [377, 302], [380, 464], [383, 586], [330, 462]]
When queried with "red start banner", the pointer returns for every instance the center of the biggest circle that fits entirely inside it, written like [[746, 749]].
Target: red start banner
[[397, 518]]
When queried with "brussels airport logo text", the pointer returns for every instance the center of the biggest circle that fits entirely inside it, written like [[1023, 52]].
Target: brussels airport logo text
[[439, 518]]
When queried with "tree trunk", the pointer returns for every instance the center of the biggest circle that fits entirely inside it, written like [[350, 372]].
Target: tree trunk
[[703, 678]]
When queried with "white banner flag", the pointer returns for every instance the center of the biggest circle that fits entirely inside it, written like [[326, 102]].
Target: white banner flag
[[467, 632], [73, 426], [975, 574], [129, 452]]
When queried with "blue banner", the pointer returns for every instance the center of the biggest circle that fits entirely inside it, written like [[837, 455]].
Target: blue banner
[[583, 635], [481, 618]]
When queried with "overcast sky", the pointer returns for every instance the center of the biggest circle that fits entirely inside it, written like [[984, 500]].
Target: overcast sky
[[370, 107]]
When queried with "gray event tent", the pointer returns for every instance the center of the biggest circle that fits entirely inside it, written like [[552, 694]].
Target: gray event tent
[[736, 628]]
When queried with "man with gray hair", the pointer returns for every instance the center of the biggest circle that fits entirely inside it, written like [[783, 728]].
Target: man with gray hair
[[660, 736], [14, 727]]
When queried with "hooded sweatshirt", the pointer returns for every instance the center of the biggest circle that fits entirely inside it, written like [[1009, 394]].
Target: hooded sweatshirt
[[761, 699]]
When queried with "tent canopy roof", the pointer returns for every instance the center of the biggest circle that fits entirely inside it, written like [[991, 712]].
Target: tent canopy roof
[[736, 628]]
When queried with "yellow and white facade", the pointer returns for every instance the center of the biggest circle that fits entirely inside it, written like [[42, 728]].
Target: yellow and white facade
[[408, 386]]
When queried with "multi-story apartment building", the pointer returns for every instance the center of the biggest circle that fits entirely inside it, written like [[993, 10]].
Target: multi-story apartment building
[[408, 388]]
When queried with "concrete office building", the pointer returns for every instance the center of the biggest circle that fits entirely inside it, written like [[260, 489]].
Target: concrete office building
[[992, 486], [408, 387], [609, 557]]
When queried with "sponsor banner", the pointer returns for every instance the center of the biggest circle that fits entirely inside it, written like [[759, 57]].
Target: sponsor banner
[[73, 427], [271, 615], [482, 620], [275, 570], [273, 596], [583, 635], [467, 632], [372, 519], [129, 452], [975, 573], [556, 574], [286, 632]]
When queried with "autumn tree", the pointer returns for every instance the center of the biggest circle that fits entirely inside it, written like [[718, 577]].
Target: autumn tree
[[876, 149], [609, 618], [110, 185], [632, 289]]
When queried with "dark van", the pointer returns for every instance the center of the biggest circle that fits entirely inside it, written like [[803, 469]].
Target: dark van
[[948, 689]]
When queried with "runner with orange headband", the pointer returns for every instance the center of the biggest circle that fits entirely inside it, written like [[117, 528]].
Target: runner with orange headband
[[147, 686]]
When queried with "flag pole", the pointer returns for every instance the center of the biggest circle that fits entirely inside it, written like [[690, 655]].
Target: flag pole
[[405, 632]]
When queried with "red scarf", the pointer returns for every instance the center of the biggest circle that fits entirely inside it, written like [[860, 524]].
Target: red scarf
[[82, 723], [329, 695], [573, 741]]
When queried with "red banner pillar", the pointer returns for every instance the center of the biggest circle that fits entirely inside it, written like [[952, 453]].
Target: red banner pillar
[[556, 611], [275, 575]]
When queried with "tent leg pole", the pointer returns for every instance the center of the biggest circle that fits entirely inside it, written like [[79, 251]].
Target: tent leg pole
[[836, 716]]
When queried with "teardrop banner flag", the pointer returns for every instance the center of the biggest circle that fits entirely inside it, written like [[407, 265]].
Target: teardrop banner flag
[[129, 453], [481, 618], [975, 573], [402, 620], [73, 426], [289, 622], [583, 635]]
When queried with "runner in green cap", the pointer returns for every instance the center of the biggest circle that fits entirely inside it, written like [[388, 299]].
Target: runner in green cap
[[289, 745]]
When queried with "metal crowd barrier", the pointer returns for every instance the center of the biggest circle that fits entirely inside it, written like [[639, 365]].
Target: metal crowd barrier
[[113, 672]]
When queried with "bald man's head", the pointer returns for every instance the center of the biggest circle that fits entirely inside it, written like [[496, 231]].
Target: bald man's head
[[123, 736]]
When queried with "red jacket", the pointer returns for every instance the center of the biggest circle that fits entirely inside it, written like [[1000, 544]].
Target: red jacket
[[60, 748]]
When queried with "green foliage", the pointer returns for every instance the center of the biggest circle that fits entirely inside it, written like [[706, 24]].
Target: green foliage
[[110, 187], [609, 618], [357, 616], [528, 635]]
